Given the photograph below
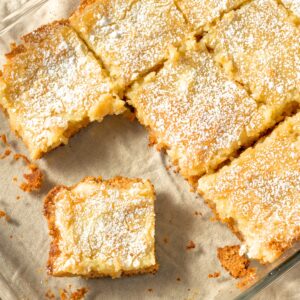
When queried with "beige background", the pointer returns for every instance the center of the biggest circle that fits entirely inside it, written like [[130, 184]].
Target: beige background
[[114, 147]]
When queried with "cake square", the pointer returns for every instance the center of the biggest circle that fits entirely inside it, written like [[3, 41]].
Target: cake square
[[259, 46], [201, 13], [102, 228], [131, 37], [52, 86], [196, 112], [258, 193]]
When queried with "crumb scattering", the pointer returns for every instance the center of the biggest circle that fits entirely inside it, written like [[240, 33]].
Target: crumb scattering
[[214, 275], [34, 179], [4, 140], [50, 295], [237, 265], [79, 294], [190, 245], [7, 151], [3, 214], [198, 213]]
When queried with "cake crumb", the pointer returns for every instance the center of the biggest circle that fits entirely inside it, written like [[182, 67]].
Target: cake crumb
[[15, 179], [178, 279], [190, 245], [34, 179], [214, 275], [198, 213], [166, 240], [18, 197], [237, 265], [248, 279], [4, 140], [3, 214], [6, 153], [150, 290], [79, 294], [50, 295]]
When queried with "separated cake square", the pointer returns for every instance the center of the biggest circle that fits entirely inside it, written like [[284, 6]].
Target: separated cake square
[[131, 37], [102, 228], [52, 86], [258, 194]]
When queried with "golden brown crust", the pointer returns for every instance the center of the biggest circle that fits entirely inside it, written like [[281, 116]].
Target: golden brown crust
[[15, 50], [85, 3], [149, 270], [49, 213], [233, 262], [35, 36], [39, 34]]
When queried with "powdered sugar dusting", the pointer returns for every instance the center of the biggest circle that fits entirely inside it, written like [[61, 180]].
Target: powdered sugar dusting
[[133, 42], [55, 81], [260, 191], [264, 46], [105, 228], [293, 5], [195, 111], [200, 13]]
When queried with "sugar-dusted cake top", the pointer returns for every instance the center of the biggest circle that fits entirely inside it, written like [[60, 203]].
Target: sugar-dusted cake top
[[102, 228], [258, 193], [131, 37], [52, 85]]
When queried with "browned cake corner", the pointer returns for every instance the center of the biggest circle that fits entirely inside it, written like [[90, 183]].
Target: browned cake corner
[[124, 210], [257, 194], [52, 85]]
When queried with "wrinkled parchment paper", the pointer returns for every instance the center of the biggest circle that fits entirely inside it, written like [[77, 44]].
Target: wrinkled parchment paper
[[114, 147]]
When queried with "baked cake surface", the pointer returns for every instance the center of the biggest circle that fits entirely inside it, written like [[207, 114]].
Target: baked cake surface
[[102, 228], [293, 5], [260, 46], [196, 112], [203, 12], [52, 85], [258, 193], [131, 37]]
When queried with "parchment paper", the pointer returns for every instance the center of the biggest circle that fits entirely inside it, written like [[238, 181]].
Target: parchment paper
[[114, 147]]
